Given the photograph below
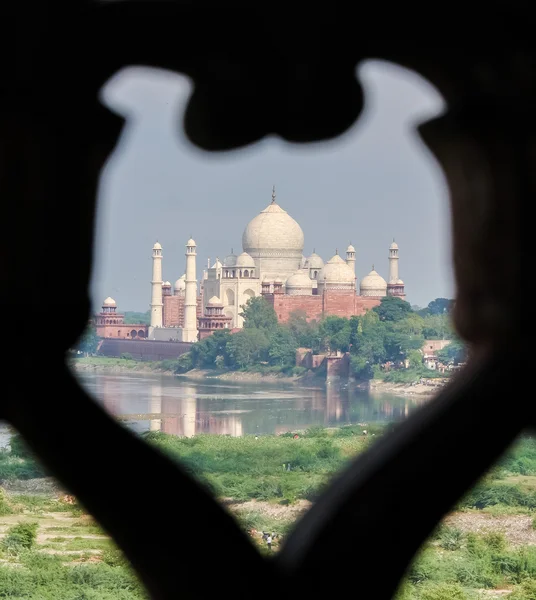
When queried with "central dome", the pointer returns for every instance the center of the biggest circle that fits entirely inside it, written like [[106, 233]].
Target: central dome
[[273, 230]]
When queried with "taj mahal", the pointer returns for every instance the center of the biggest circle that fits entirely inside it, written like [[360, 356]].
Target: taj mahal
[[271, 265]]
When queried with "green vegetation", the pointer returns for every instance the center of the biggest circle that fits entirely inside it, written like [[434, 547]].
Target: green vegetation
[[266, 483], [88, 341], [20, 537], [126, 361], [380, 342], [135, 318]]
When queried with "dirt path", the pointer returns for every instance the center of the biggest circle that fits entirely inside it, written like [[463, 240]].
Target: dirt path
[[517, 529]]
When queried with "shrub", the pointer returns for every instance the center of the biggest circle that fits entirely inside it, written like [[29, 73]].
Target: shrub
[[442, 591], [169, 365], [184, 363], [5, 506], [20, 537], [526, 591], [18, 447], [450, 538], [127, 356]]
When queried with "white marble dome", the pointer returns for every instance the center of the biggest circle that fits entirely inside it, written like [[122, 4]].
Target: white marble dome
[[350, 248], [109, 302], [215, 301], [166, 284], [191, 242], [393, 246], [230, 260], [315, 261], [373, 284], [157, 246], [245, 261], [336, 274], [273, 230], [180, 284], [299, 284]]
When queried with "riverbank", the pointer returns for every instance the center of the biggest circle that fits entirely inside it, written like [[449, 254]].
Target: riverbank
[[378, 386], [114, 366], [104, 364], [251, 376]]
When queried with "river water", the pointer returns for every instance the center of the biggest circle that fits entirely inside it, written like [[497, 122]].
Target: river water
[[187, 407]]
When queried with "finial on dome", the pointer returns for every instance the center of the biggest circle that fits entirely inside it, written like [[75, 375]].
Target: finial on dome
[[314, 250], [232, 251], [273, 194], [373, 266], [336, 251]]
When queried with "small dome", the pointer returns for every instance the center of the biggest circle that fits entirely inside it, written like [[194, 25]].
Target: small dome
[[215, 301], [166, 284], [217, 264], [373, 284], [336, 271], [399, 282], [393, 246], [299, 284], [278, 281], [350, 248], [109, 302], [230, 260], [245, 260], [315, 261], [180, 284], [157, 246], [191, 242]]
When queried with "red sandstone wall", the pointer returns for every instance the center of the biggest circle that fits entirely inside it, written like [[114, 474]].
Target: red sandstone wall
[[120, 331], [340, 304], [338, 366], [284, 305], [362, 304], [172, 311]]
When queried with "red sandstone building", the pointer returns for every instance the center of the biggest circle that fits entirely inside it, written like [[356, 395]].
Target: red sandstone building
[[110, 324]]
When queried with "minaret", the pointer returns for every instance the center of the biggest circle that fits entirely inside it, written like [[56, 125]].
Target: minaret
[[350, 257], [393, 262], [156, 283], [189, 332]]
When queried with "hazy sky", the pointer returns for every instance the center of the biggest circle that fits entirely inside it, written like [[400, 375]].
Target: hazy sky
[[374, 183]]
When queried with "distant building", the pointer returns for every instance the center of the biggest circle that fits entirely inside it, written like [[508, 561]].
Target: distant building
[[271, 265], [110, 324]]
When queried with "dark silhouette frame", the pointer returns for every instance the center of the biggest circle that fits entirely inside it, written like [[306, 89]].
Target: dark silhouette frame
[[258, 70]]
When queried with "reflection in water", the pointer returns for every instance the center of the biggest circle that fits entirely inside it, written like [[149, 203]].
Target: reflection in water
[[186, 408], [155, 407]]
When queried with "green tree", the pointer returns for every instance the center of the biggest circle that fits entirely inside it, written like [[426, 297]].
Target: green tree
[[399, 342], [133, 317], [455, 352], [248, 347], [203, 354], [392, 308], [439, 306], [335, 333], [88, 341], [437, 327], [415, 358], [258, 313], [282, 349], [306, 333], [368, 345], [184, 363]]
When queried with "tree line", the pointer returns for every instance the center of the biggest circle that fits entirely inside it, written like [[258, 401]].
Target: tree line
[[391, 333]]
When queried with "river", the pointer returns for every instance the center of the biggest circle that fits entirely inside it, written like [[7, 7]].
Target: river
[[188, 407]]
